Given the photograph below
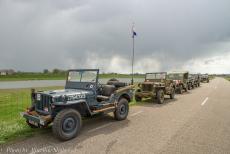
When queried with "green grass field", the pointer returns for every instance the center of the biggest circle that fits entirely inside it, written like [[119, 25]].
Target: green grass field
[[51, 76], [12, 102], [227, 78]]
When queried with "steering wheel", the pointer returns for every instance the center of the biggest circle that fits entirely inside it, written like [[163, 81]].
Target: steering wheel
[[99, 86]]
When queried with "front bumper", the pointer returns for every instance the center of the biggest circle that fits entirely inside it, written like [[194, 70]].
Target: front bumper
[[35, 119], [145, 94]]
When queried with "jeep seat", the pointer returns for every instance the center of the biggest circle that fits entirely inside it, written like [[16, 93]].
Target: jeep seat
[[106, 92], [117, 83]]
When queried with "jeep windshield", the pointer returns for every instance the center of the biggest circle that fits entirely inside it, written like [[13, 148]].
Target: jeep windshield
[[82, 76], [152, 76], [175, 76]]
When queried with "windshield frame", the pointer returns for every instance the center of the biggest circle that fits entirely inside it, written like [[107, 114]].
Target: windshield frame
[[165, 73], [185, 76], [83, 70]]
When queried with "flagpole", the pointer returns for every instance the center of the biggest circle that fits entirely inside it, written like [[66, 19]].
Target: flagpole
[[132, 62]]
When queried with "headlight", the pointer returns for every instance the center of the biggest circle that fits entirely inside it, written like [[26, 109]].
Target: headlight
[[63, 98], [38, 97], [53, 99]]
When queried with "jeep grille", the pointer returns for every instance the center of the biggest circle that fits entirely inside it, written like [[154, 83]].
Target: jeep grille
[[147, 87], [43, 104]]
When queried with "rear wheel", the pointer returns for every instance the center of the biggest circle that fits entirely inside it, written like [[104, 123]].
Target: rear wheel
[[172, 95], [189, 86], [180, 89], [138, 98], [67, 124], [160, 96], [122, 110], [186, 88]]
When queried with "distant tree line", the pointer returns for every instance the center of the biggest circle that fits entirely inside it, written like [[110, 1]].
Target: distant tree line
[[54, 71]]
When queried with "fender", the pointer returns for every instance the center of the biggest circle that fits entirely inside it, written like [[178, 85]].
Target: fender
[[69, 103], [127, 95]]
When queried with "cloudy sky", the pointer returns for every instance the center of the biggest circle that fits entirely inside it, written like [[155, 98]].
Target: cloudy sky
[[172, 35]]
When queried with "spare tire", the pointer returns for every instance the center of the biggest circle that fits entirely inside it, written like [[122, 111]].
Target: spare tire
[[116, 83], [113, 79]]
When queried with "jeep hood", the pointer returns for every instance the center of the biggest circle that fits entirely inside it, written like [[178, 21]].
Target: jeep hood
[[57, 93]]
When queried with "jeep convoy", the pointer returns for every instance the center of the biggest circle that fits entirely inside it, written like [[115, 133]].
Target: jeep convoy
[[85, 96]]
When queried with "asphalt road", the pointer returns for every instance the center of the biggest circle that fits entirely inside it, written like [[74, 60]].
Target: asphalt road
[[195, 122]]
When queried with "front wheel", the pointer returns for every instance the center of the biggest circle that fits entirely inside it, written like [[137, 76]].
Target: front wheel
[[122, 110], [67, 124], [160, 96]]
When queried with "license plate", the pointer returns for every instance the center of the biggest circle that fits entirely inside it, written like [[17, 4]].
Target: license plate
[[33, 123]]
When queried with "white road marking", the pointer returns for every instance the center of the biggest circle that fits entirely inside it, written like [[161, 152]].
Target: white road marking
[[134, 114], [100, 127], [206, 99]]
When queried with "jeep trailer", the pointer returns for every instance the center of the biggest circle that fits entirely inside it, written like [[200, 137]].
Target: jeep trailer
[[83, 96]]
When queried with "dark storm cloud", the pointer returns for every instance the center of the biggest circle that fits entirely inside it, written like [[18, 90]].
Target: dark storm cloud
[[87, 33]]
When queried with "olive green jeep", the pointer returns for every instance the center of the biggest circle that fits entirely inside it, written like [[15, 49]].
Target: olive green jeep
[[156, 85], [181, 80]]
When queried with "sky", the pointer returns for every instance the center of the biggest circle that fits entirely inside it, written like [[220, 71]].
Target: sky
[[191, 35]]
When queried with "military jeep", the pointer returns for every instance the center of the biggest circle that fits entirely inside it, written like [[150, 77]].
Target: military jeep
[[181, 80], [156, 85], [83, 96], [197, 79], [191, 81], [205, 78]]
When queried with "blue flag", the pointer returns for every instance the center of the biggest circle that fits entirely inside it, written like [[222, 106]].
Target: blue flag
[[133, 32]]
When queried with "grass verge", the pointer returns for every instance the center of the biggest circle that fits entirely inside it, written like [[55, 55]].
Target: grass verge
[[12, 102]]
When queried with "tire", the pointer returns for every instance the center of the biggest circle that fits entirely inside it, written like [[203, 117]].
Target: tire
[[172, 95], [186, 89], [180, 89], [116, 83], [160, 96], [198, 84], [208, 81], [189, 86], [67, 124], [138, 99], [122, 110]]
